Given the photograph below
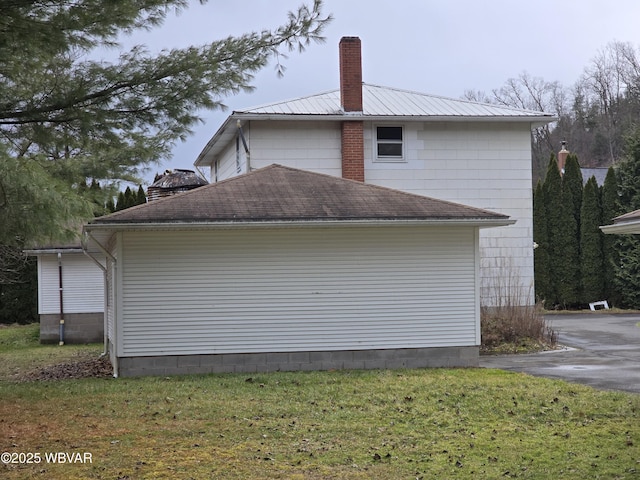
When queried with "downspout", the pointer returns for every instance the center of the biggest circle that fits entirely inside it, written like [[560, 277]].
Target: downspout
[[86, 236], [105, 337], [61, 294]]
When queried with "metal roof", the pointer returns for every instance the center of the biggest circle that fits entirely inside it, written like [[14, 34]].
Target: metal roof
[[384, 101], [379, 104]]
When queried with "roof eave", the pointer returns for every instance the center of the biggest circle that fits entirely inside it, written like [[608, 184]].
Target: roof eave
[[175, 225], [52, 250], [622, 228], [210, 151]]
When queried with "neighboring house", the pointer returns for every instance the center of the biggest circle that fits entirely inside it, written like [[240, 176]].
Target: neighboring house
[[455, 150], [599, 172], [70, 288], [286, 269], [624, 224]]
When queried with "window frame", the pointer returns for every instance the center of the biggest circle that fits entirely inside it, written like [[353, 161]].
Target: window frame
[[377, 142]]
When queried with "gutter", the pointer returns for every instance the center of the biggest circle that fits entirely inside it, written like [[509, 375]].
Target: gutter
[[105, 338], [297, 223], [85, 238], [622, 228]]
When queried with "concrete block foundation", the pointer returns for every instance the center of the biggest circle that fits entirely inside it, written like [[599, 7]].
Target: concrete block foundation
[[78, 328], [299, 361]]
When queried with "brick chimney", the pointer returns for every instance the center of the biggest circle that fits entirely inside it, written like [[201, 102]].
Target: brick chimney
[[351, 102], [562, 157]]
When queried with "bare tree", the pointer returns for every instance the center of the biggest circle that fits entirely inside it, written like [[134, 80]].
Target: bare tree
[[609, 82]]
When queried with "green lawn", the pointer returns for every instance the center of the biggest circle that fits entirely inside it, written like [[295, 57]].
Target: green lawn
[[402, 424]]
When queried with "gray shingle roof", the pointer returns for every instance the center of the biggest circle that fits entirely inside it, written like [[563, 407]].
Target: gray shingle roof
[[283, 194]]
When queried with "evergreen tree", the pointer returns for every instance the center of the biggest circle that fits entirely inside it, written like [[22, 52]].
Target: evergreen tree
[[542, 267], [141, 197], [129, 198], [66, 118], [572, 183], [19, 291], [591, 253], [610, 210], [568, 259], [552, 196], [121, 203], [627, 275], [110, 206]]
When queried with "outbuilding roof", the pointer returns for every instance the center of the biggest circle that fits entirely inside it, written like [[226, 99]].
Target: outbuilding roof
[[282, 194]]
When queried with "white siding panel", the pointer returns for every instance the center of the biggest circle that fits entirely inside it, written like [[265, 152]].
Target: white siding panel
[[294, 290], [484, 165], [82, 281]]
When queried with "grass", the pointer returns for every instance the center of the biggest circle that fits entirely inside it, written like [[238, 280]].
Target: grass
[[21, 352], [425, 423]]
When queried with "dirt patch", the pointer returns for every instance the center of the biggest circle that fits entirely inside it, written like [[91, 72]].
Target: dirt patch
[[85, 368]]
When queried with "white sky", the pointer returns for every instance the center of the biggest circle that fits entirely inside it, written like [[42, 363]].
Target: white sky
[[441, 47]]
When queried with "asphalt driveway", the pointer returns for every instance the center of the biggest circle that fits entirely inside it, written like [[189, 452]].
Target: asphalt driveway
[[604, 352]]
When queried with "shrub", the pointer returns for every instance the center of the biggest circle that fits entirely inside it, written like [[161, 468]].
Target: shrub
[[515, 328], [509, 322]]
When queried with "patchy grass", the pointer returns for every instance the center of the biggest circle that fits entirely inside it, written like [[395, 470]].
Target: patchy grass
[[428, 423], [21, 352]]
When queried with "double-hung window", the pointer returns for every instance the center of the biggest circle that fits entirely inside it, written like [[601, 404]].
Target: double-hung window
[[389, 144]]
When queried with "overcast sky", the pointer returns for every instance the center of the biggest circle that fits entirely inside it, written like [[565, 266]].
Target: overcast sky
[[440, 47]]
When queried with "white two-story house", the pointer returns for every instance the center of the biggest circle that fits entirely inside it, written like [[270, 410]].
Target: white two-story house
[[471, 153]]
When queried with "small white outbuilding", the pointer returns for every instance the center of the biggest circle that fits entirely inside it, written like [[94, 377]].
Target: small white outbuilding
[[285, 269], [70, 295]]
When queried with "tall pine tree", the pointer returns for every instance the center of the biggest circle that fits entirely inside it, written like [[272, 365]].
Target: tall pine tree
[[627, 277], [591, 254], [571, 285], [567, 261], [552, 195], [141, 197], [610, 210], [572, 183], [541, 265]]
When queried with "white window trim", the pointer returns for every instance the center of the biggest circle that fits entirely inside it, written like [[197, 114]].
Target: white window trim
[[403, 142]]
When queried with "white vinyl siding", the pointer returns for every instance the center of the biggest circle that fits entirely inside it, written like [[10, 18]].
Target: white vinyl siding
[[309, 145], [483, 165], [313, 289], [82, 284]]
